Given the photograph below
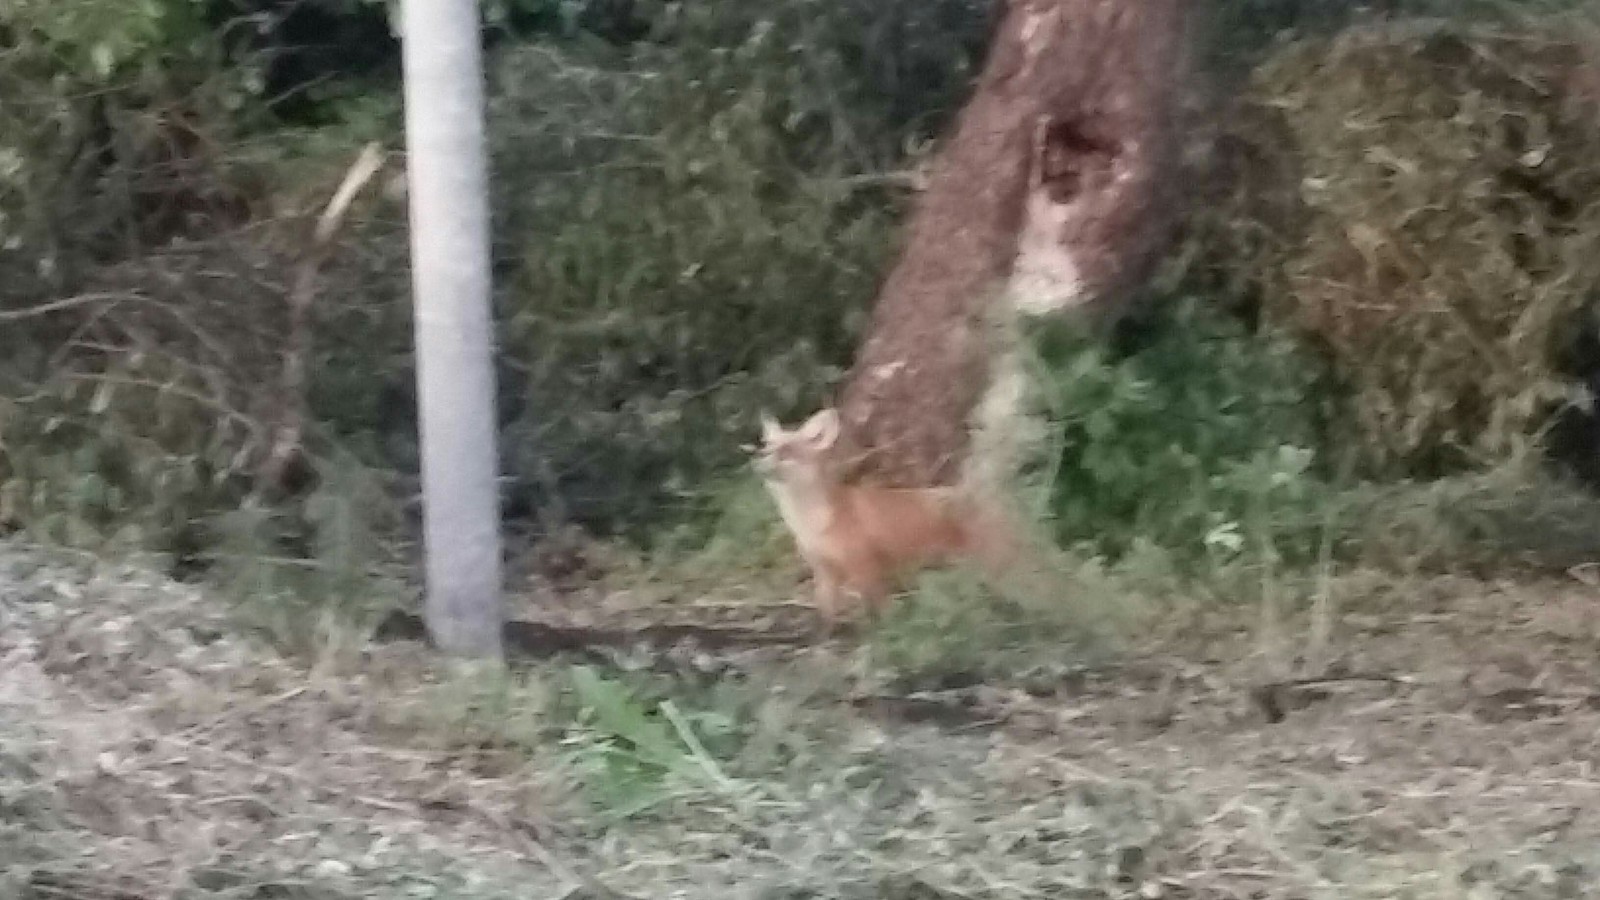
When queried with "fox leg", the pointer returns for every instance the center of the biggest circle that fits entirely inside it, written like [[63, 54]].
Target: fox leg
[[871, 586], [828, 594], [875, 594]]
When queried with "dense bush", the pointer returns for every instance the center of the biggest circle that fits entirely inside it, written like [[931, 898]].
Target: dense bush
[[693, 205], [690, 226], [142, 271], [1202, 443], [695, 229], [119, 130], [1436, 235]]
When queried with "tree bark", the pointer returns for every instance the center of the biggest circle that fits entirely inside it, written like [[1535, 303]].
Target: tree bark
[[448, 187], [1051, 196]]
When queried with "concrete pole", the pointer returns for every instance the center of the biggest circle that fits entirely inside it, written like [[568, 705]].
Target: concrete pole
[[448, 189]]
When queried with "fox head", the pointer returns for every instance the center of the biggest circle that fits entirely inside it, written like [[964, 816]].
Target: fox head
[[800, 454]]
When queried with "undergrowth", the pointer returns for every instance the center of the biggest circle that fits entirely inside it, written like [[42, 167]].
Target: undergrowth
[[1206, 441], [637, 743], [694, 204], [1199, 461], [954, 630], [303, 574], [695, 231], [693, 208], [1433, 234]]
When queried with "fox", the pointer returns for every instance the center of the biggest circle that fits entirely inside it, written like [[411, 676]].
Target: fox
[[861, 542]]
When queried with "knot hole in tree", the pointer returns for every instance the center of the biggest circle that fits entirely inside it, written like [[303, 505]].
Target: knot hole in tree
[[1071, 158]]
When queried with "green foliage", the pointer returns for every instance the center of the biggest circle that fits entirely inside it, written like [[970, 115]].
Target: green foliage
[[632, 752], [694, 204], [301, 571], [1202, 442], [112, 116], [661, 278], [953, 629], [100, 40], [697, 229], [489, 706], [133, 453]]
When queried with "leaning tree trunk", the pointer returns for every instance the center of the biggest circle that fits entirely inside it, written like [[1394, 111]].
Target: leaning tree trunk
[[1050, 196]]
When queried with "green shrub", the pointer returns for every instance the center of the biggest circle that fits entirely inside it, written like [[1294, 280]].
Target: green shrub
[[100, 40], [954, 629], [693, 212], [692, 226], [116, 454], [695, 230], [113, 122], [1204, 442]]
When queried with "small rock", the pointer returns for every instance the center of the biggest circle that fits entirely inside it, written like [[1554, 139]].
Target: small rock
[[332, 868]]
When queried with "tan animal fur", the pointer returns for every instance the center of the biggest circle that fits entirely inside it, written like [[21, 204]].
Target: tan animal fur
[[860, 541]]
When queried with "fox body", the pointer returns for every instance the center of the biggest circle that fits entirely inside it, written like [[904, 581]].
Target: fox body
[[860, 541]]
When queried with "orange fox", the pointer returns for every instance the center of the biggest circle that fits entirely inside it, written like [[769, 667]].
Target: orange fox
[[860, 541]]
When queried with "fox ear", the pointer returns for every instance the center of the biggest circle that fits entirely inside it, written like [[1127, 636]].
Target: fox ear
[[771, 431], [822, 429]]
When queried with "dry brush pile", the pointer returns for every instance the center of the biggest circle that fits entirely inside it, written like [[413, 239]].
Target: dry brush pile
[[1419, 200]]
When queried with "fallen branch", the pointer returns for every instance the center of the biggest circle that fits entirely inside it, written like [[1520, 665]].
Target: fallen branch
[[1272, 698], [61, 305], [542, 640], [287, 445]]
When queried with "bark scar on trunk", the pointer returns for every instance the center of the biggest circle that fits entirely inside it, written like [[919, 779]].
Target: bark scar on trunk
[[1048, 197]]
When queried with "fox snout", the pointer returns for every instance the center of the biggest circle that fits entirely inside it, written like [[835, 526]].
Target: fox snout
[[764, 465]]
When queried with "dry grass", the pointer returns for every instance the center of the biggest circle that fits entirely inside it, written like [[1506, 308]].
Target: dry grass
[[1417, 196], [145, 744]]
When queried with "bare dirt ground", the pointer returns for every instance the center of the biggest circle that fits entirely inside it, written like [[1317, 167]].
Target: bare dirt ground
[[149, 749]]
